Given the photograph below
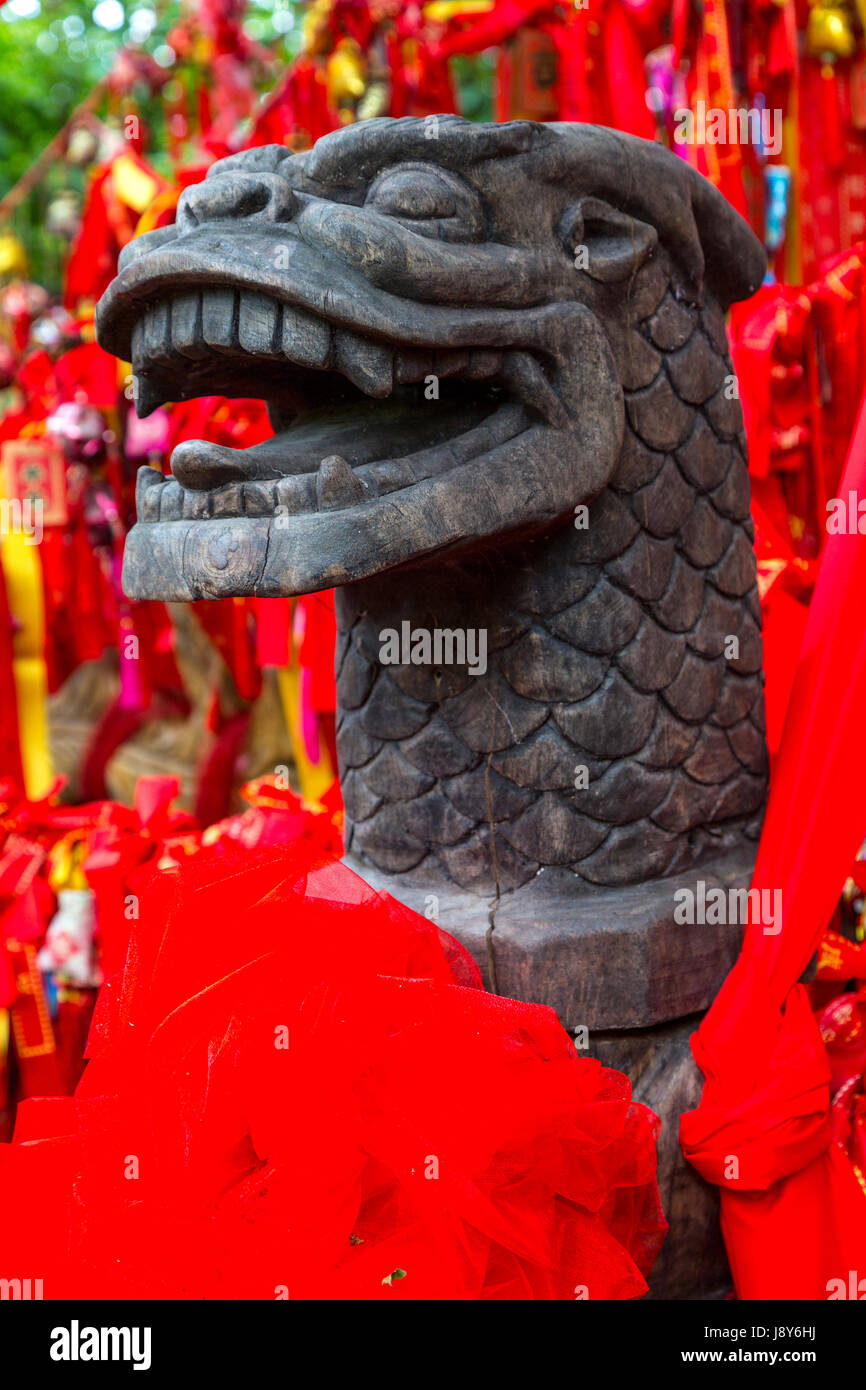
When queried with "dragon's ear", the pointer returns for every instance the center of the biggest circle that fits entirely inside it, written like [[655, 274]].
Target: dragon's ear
[[604, 241]]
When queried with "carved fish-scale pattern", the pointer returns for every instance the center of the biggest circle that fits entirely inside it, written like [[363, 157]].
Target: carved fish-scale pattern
[[610, 649]]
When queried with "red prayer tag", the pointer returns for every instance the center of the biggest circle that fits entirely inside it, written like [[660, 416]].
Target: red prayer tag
[[858, 94], [34, 470], [534, 77]]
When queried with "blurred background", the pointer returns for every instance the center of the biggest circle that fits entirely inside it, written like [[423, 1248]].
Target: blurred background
[[111, 109], [136, 731]]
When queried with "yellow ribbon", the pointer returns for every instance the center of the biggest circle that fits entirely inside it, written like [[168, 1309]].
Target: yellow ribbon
[[315, 778], [22, 569]]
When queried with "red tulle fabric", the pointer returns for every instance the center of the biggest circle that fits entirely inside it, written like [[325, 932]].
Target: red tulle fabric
[[298, 1089], [793, 1208]]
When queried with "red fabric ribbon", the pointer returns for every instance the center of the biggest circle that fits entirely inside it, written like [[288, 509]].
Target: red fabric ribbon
[[412, 1137], [795, 1217]]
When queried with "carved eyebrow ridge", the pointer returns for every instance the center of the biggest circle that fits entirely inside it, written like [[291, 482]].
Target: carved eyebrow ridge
[[357, 152]]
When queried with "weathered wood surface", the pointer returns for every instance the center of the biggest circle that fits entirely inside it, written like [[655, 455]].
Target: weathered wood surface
[[496, 362]]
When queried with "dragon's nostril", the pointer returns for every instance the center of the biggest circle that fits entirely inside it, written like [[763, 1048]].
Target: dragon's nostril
[[233, 196], [252, 200]]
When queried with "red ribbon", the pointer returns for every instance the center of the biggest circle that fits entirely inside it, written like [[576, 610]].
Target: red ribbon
[[766, 1102]]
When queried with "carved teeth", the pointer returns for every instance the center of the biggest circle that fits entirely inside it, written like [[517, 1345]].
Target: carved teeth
[[337, 485], [147, 478], [186, 334], [157, 332], [523, 376], [191, 325], [482, 364], [258, 324], [228, 500], [450, 363], [392, 474], [412, 365], [147, 490], [306, 339], [367, 364], [137, 347], [218, 315], [171, 501], [197, 506], [296, 493], [259, 498], [148, 396]]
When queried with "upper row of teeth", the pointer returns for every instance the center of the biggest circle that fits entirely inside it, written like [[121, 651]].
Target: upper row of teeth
[[335, 486], [194, 325]]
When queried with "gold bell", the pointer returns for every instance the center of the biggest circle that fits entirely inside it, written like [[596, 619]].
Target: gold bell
[[347, 74], [830, 31], [13, 257]]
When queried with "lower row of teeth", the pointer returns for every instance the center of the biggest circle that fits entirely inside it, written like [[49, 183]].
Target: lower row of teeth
[[336, 484]]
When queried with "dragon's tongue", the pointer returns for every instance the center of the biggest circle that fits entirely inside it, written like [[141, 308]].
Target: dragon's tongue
[[362, 432]]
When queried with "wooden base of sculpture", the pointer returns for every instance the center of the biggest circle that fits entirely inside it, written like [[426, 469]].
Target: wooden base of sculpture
[[630, 984], [507, 431]]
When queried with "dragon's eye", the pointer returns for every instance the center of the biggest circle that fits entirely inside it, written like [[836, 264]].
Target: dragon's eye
[[414, 194], [428, 200]]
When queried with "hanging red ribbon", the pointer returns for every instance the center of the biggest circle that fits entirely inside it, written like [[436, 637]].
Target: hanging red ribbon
[[793, 1212]]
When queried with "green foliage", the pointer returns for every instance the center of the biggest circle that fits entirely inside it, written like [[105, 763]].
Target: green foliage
[[44, 73], [50, 62], [475, 77], [53, 52]]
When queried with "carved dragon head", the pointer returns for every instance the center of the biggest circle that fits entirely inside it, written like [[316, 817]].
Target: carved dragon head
[[442, 317]]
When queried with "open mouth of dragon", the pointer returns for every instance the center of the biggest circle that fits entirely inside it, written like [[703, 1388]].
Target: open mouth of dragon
[[403, 428], [356, 419]]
